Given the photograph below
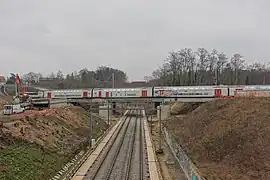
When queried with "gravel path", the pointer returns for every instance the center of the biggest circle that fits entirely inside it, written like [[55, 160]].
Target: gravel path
[[170, 169]]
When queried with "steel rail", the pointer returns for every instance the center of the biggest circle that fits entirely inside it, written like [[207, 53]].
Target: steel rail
[[130, 154], [117, 152], [141, 148], [111, 145]]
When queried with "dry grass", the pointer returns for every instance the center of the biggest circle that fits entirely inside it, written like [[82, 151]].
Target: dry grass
[[228, 139]]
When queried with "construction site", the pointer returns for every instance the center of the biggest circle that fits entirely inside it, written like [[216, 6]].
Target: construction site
[[54, 139]]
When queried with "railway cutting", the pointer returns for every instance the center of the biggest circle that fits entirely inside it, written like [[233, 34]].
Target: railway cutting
[[125, 154]]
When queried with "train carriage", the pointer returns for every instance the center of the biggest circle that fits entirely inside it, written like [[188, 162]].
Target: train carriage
[[190, 91], [101, 93], [221, 91], [118, 93], [183, 92], [122, 92], [139, 92], [74, 94]]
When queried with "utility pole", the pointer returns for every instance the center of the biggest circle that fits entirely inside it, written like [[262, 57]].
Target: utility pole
[[160, 150], [108, 113], [91, 125], [151, 112], [113, 80], [216, 75]]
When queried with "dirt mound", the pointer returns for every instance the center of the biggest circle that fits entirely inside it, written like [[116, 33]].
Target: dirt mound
[[4, 100], [228, 139], [183, 108], [2, 103], [43, 140]]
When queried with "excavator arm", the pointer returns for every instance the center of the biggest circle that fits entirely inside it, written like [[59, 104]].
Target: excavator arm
[[20, 90]]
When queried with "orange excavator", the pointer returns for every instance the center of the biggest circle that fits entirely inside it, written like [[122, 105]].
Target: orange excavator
[[20, 100], [20, 89]]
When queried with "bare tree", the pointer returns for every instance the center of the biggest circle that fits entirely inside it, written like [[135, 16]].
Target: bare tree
[[212, 66], [203, 58], [184, 67], [60, 75], [52, 76], [221, 63], [237, 63], [31, 77]]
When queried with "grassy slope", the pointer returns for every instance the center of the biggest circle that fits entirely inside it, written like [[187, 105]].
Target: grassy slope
[[28, 161]]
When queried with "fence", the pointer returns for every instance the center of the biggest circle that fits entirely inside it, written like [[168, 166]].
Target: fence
[[188, 167]]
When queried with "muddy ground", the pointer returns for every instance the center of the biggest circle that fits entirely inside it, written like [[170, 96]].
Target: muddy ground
[[169, 167], [227, 139], [36, 144]]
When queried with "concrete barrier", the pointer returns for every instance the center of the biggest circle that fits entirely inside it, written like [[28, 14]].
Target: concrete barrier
[[165, 109], [57, 103], [104, 112], [188, 167]]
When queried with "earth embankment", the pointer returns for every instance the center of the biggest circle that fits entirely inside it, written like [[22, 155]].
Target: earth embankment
[[227, 139], [36, 144]]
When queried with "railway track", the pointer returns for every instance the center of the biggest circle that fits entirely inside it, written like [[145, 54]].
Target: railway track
[[124, 157]]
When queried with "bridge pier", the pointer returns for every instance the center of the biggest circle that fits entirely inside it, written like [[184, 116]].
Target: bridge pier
[[113, 106], [164, 111], [157, 104], [103, 111]]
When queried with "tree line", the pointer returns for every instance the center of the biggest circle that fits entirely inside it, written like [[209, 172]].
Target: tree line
[[101, 77], [203, 67], [182, 67]]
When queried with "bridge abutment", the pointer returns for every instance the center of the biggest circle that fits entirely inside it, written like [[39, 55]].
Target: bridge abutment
[[165, 109]]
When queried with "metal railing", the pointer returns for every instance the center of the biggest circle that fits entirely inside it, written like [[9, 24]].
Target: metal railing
[[190, 170]]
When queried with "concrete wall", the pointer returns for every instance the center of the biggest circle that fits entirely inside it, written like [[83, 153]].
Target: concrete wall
[[187, 165], [57, 103], [104, 112], [165, 109]]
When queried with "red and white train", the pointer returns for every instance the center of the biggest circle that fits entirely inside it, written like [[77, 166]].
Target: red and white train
[[223, 91]]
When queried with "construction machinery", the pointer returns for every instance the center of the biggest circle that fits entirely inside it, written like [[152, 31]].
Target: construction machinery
[[13, 109], [21, 100], [20, 89]]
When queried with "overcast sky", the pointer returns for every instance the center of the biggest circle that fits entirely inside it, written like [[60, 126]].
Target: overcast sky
[[132, 35]]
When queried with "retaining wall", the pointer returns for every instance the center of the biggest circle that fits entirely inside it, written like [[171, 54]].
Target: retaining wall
[[57, 103], [104, 112], [188, 167], [165, 109]]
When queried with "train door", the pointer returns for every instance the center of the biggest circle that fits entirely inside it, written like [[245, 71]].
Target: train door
[[85, 94], [99, 94], [49, 95], [144, 93], [218, 92]]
